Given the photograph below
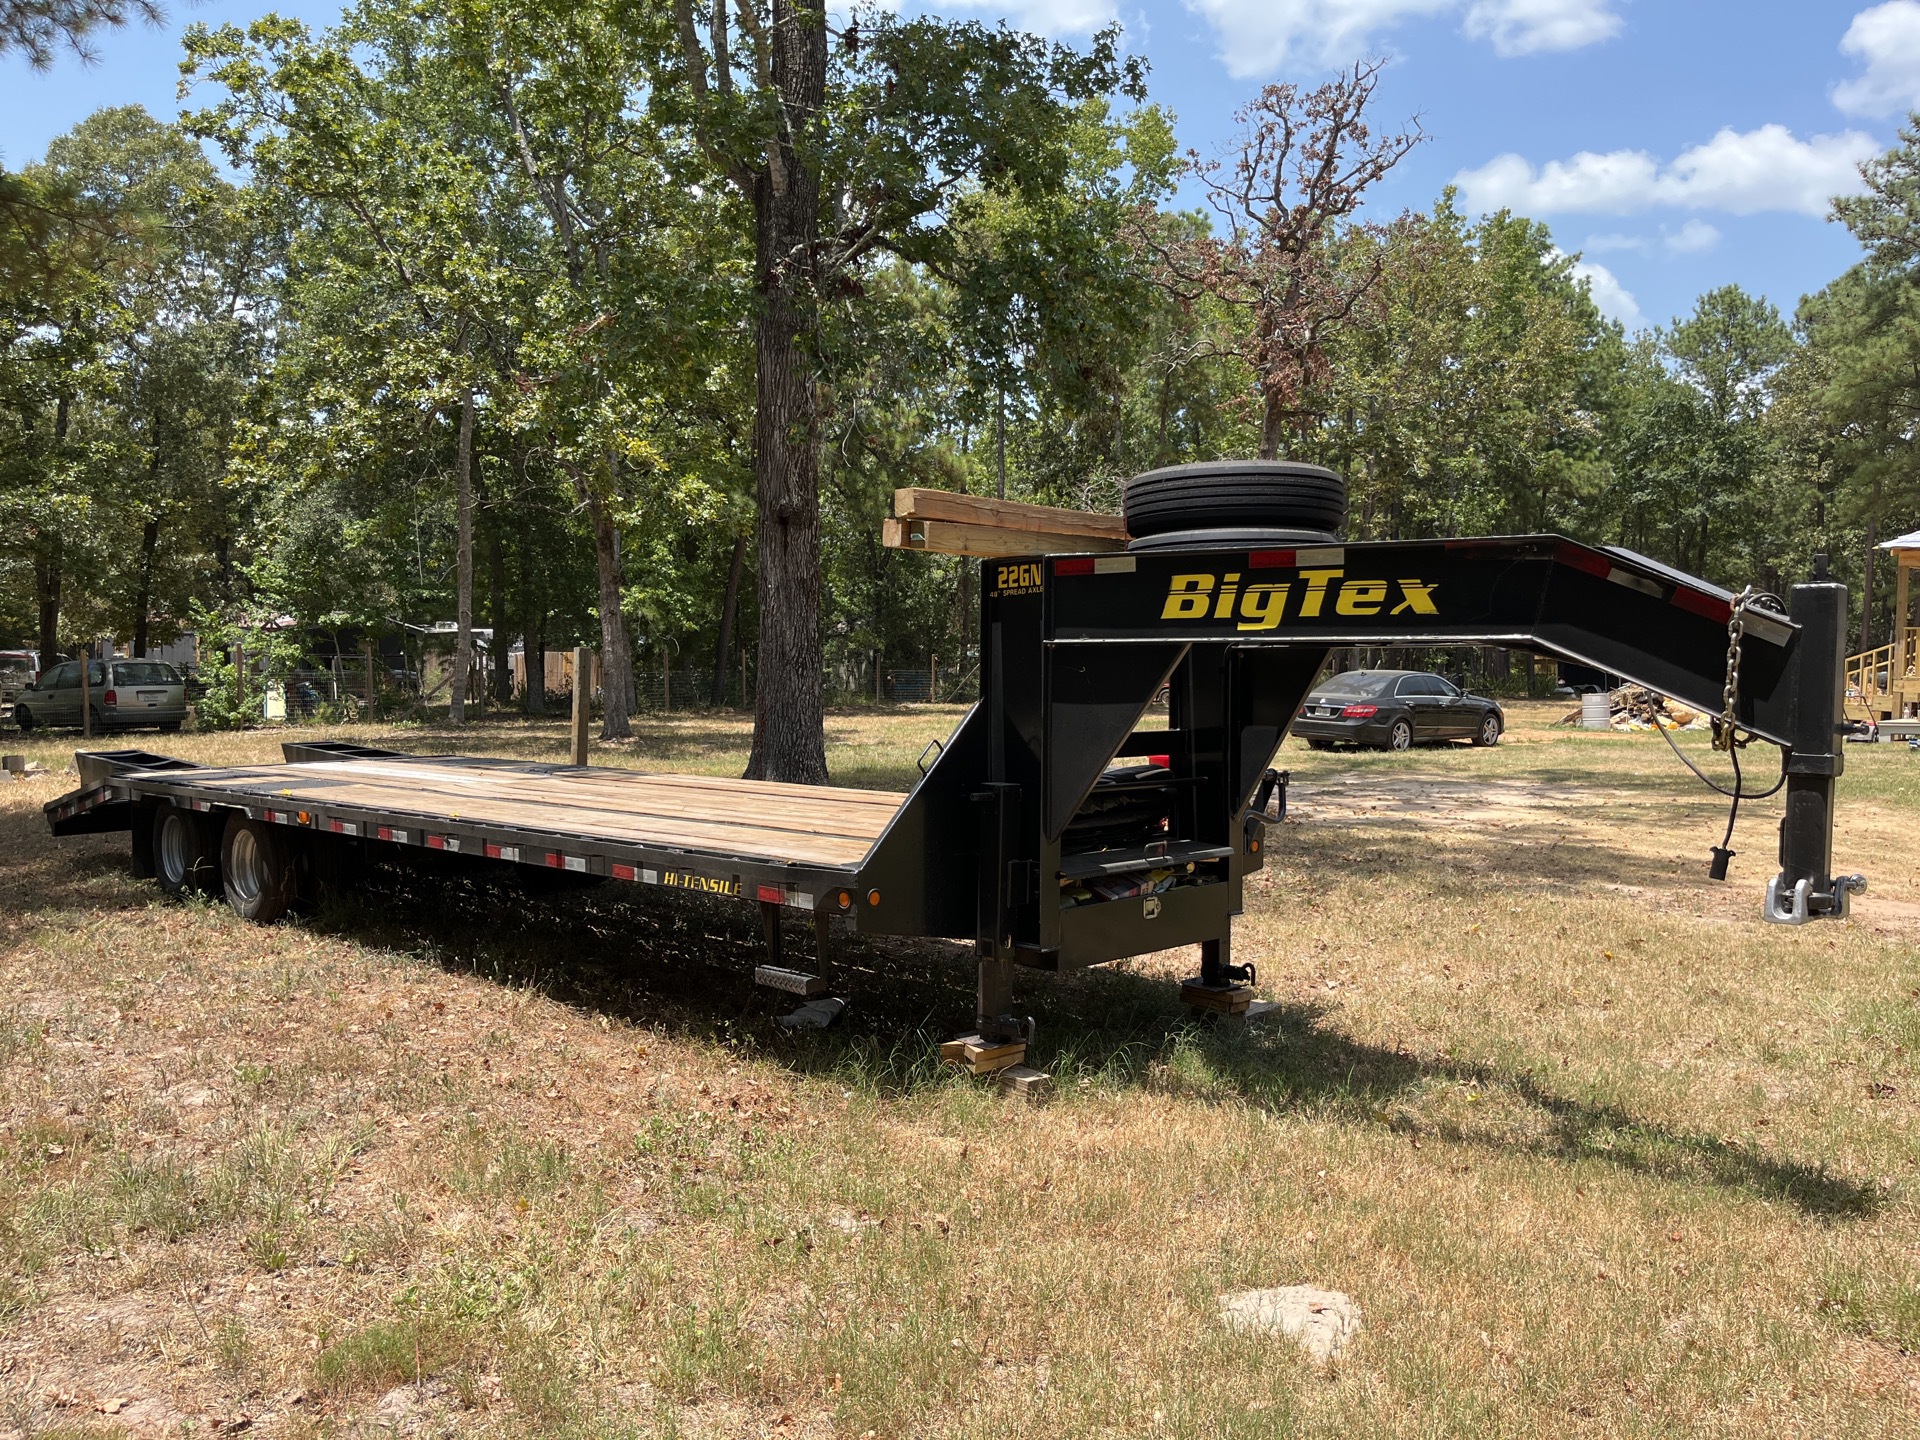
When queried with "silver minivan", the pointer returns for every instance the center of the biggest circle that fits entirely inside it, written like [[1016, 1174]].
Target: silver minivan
[[122, 694]]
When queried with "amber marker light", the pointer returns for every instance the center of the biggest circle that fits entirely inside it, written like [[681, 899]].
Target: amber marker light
[[846, 899], [873, 897]]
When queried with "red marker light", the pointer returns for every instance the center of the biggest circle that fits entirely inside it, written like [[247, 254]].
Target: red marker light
[[1074, 566], [112, 697]]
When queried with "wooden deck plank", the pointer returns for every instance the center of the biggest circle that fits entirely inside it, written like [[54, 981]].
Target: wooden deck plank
[[799, 824]]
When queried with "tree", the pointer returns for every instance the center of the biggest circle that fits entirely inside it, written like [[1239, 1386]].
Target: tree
[[38, 26], [1288, 199], [844, 153]]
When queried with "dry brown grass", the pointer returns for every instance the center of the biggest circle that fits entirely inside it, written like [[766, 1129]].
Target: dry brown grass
[[1598, 1153]]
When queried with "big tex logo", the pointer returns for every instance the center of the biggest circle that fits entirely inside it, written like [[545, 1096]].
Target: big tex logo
[[1262, 605]]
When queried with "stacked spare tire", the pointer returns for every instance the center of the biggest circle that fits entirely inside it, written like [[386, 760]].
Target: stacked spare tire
[[1214, 505], [1235, 505]]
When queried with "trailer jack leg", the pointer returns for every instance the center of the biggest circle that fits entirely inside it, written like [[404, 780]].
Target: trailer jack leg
[[997, 1045], [1221, 987]]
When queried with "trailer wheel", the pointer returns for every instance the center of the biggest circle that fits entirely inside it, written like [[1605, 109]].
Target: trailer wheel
[[186, 856], [257, 866], [1219, 493]]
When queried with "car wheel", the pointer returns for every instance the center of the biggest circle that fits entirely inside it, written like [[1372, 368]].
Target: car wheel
[[256, 865], [1400, 735], [23, 718], [186, 858], [1489, 731], [1218, 494], [1319, 744]]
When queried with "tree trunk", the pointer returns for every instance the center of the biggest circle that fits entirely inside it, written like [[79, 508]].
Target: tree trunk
[[463, 560], [49, 558], [1273, 425], [497, 612], [616, 656], [789, 723], [143, 585], [533, 627], [46, 593], [1866, 579], [723, 645]]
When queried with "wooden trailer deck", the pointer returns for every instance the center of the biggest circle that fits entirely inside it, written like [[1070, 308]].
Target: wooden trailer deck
[[749, 819]]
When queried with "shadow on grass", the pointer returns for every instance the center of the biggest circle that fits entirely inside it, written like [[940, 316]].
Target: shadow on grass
[[685, 966]]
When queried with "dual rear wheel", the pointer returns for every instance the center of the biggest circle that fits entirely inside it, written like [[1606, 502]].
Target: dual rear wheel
[[252, 864]]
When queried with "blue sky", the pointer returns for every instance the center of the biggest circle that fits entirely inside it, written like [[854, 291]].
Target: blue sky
[[1676, 144]]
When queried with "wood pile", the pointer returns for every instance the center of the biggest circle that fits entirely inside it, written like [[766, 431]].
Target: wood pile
[[949, 523], [1634, 707]]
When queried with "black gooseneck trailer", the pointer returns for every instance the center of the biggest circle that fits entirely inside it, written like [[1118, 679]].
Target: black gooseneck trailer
[[1023, 836]]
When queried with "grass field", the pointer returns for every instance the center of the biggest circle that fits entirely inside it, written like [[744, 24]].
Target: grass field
[[1597, 1152]]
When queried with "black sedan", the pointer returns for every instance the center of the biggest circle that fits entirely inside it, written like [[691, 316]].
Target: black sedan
[[1395, 710]]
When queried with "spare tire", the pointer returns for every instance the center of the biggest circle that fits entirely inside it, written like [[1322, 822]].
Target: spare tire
[[1242, 537], [1219, 494]]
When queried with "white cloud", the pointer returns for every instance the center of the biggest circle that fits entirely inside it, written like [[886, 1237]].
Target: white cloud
[[1528, 27], [1696, 237], [1042, 17], [1257, 37], [1886, 40], [1614, 300], [1742, 173]]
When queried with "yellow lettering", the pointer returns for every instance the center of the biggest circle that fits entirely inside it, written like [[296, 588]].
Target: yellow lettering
[[1229, 588], [1316, 590], [1187, 597], [1000, 577], [1361, 597], [1263, 606], [1416, 597]]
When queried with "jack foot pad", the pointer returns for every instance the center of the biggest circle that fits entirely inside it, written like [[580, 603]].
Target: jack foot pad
[[1217, 999], [979, 1056]]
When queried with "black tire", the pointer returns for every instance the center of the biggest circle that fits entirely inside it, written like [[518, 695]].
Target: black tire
[[23, 717], [1489, 732], [1319, 744], [1243, 537], [257, 870], [1400, 734], [169, 725], [186, 853], [1219, 494]]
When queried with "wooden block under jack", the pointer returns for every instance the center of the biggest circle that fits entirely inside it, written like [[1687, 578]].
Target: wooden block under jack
[[980, 1056], [1219, 999], [1029, 1084], [791, 982]]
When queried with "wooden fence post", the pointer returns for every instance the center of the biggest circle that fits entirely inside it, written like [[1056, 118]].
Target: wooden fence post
[[582, 701]]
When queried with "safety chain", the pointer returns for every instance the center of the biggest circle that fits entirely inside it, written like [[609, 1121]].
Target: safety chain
[[1729, 696]]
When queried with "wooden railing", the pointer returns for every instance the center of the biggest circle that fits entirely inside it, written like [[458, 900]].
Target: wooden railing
[[1874, 681]]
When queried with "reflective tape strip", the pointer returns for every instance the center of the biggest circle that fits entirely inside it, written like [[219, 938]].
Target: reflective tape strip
[[399, 837], [575, 862], [621, 872], [1634, 582], [650, 877], [502, 852], [1114, 565], [800, 901], [436, 842], [343, 827]]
